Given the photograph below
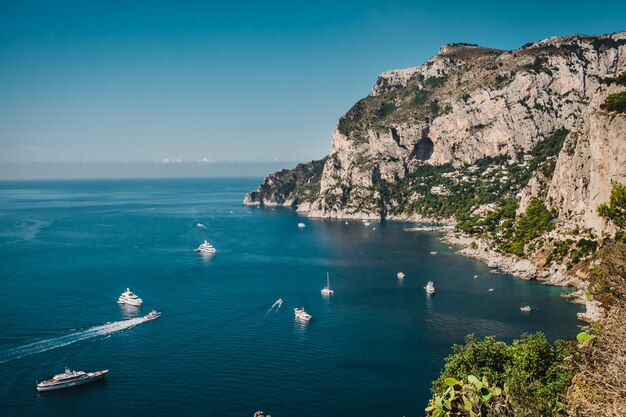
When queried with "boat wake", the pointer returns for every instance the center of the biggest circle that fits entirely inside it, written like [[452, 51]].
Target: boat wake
[[275, 307], [68, 339]]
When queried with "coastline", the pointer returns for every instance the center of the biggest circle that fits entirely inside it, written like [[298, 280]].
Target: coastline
[[526, 270]]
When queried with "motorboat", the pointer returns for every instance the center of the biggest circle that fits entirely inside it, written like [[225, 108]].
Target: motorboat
[[490, 289], [129, 298], [70, 379], [430, 288], [327, 290], [301, 225], [400, 275], [493, 272], [201, 225], [153, 315], [301, 314], [433, 253], [205, 247], [526, 309], [475, 276], [367, 223]]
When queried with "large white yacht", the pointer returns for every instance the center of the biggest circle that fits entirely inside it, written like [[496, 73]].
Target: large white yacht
[[430, 287], [205, 247], [301, 314], [70, 379], [327, 290], [130, 298]]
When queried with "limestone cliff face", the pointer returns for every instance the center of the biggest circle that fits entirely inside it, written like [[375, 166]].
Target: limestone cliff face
[[468, 103], [592, 158]]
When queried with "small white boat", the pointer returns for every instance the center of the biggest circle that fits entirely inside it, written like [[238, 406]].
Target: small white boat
[[70, 379], [430, 288], [433, 253], [327, 290], [301, 225], [205, 247], [367, 223], [201, 225], [301, 314], [400, 275], [526, 309], [475, 276], [129, 298], [493, 271], [347, 222], [490, 289], [152, 315]]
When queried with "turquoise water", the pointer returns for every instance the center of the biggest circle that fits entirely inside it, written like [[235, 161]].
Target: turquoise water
[[69, 248]]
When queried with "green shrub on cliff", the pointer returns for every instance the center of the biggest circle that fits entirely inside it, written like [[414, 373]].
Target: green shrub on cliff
[[536, 221], [533, 372], [615, 102], [615, 211]]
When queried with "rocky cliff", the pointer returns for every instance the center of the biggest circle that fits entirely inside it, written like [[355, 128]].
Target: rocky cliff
[[438, 140]]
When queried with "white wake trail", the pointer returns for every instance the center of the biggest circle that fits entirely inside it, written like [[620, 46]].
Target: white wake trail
[[276, 305], [57, 342]]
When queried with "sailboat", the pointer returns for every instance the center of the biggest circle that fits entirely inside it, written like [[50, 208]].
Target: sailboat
[[326, 290]]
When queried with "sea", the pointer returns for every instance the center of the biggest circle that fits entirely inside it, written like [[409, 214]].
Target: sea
[[225, 345]]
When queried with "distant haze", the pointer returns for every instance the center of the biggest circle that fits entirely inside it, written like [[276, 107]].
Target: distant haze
[[70, 170], [140, 82]]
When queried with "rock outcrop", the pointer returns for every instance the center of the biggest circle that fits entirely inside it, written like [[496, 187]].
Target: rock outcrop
[[465, 104]]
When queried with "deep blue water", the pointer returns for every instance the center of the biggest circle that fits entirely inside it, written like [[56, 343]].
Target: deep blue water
[[69, 248]]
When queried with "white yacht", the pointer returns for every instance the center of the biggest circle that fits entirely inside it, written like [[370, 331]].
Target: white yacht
[[430, 288], [301, 314], [129, 298], [205, 247], [526, 309], [400, 275], [301, 225], [70, 379], [326, 290]]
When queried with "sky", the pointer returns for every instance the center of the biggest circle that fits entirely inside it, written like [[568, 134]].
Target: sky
[[196, 83]]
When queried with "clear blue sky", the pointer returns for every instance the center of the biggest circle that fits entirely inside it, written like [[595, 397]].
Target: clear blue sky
[[96, 81]]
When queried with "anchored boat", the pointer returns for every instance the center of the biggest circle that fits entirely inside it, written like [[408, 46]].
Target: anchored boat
[[130, 298], [205, 247], [70, 379], [301, 314]]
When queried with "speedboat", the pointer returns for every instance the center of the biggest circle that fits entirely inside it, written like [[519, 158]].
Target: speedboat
[[430, 288], [70, 379], [205, 247], [433, 253], [301, 314], [201, 225], [475, 276], [153, 315], [326, 290], [367, 223], [490, 289], [400, 275], [301, 225], [526, 309], [129, 298]]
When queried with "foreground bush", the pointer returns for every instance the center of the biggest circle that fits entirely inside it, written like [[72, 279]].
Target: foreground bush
[[532, 373]]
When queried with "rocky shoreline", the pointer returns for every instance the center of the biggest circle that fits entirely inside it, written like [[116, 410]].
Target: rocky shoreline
[[525, 269]]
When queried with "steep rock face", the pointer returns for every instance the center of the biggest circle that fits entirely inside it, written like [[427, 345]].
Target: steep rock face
[[468, 103], [289, 187], [592, 158]]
